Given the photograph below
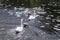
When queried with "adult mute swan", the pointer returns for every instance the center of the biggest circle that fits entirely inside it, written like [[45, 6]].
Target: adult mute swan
[[32, 16], [19, 28]]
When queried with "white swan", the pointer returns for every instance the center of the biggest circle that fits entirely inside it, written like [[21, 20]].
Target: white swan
[[33, 16], [19, 28]]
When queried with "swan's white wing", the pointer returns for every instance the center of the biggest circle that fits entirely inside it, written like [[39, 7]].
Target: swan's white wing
[[19, 29]]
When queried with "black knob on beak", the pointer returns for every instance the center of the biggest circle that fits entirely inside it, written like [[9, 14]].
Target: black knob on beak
[[17, 32]]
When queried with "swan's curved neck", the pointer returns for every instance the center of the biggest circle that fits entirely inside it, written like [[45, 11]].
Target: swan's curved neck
[[22, 22]]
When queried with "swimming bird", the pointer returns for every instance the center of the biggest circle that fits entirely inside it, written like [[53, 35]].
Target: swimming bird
[[32, 16], [19, 28]]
